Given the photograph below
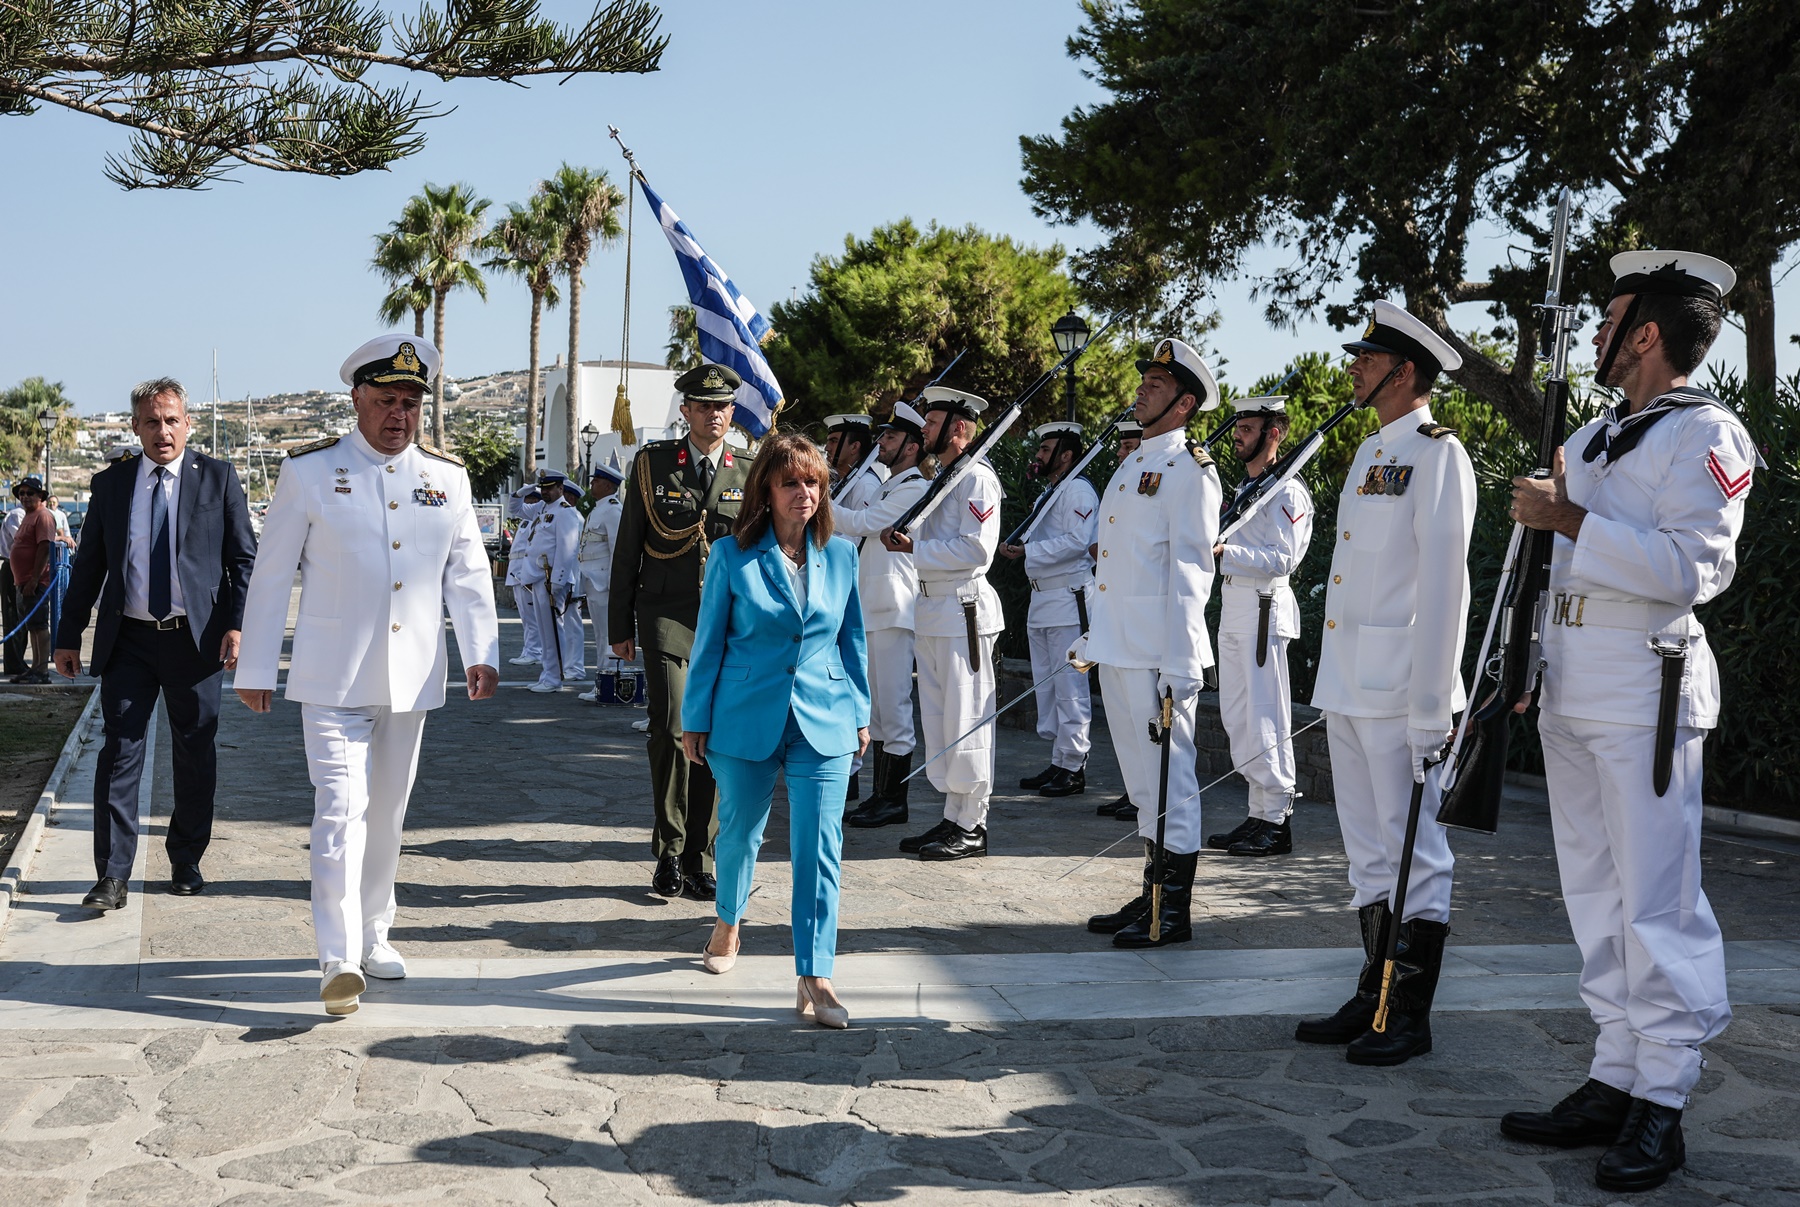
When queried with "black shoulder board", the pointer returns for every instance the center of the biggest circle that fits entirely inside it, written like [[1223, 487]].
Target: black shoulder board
[[440, 454], [1198, 452], [1436, 431], [314, 447]]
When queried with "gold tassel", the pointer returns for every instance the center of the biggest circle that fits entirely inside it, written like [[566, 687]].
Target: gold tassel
[[621, 420]]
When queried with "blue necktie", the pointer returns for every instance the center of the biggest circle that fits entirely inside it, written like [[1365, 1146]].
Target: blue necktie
[[160, 607]]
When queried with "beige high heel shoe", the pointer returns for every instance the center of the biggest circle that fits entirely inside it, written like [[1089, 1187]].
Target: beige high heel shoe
[[719, 965], [836, 1017]]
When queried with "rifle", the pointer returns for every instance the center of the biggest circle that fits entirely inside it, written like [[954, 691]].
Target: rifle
[[1230, 425], [874, 452], [1042, 505], [1511, 658], [963, 465]]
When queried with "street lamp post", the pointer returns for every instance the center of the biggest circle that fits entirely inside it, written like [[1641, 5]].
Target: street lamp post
[[589, 434], [46, 419], [1071, 335]]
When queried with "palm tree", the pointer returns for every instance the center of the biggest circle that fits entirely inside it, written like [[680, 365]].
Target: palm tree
[[527, 244], [452, 221], [584, 207], [21, 438], [683, 349], [400, 259]]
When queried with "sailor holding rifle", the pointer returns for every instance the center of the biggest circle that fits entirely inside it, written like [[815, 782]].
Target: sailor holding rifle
[[1649, 498]]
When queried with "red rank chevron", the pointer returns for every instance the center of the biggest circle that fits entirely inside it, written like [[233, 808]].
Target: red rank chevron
[[1292, 518], [984, 515], [1732, 487], [1085, 514]]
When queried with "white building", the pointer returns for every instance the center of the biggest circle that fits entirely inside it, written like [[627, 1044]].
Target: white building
[[655, 410]]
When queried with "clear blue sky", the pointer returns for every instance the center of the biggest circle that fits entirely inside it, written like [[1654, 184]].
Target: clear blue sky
[[775, 130]]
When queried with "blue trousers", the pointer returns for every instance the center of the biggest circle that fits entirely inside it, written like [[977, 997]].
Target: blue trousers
[[816, 785]]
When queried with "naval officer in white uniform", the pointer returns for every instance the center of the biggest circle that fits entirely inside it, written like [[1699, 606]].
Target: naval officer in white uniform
[[1159, 520], [1060, 568], [888, 586], [556, 547], [1648, 499], [1258, 616], [956, 619], [598, 537], [382, 532], [524, 505], [1389, 679]]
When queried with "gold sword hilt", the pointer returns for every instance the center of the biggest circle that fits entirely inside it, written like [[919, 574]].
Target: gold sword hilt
[[1381, 1011], [1155, 913]]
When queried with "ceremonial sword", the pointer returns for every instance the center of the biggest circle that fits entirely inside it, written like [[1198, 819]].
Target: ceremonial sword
[[990, 718]]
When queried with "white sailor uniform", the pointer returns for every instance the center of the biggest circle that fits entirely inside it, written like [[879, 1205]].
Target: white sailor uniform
[[599, 535], [888, 585], [1396, 609], [555, 547], [1159, 519], [383, 545], [952, 550], [1061, 570], [519, 573], [1255, 703], [1660, 537]]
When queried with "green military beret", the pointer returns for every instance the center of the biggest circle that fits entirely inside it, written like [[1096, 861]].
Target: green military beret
[[709, 383]]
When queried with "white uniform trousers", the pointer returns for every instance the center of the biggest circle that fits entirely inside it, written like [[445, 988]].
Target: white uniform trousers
[[1064, 708], [555, 638], [574, 637], [891, 690], [1258, 713], [527, 605], [952, 697], [1652, 960], [1131, 704], [596, 607], [1371, 775], [361, 761]]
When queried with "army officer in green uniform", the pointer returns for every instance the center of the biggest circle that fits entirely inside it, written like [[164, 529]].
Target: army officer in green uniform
[[681, 496]]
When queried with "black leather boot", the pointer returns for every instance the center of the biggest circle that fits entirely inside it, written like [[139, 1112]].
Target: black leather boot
[[1137, 907], [1065, 783], [855, 786], [1040, 779], [1177, 901], [1649, 1148], [886, 806], [1417, 962], [1222, 842], [955, 843], [1593, 1114], [854, 789], [1267, 838], [1355, 1015]]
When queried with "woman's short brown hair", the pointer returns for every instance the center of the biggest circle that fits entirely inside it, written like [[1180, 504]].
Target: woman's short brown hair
[[780, 456]]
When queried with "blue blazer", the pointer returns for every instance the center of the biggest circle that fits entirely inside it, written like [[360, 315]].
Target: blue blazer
[[215, 554], [756, 656]]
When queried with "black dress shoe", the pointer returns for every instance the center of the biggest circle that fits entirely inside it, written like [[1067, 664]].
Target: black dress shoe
[[667, 880], [1593, 1114], [1222, 842], [915, 844], [956, 843], [876, 812], [185, 879], [1126, 812], [1267, 838], [108, 894], [1111, 808], [1041, 778], [1065, 783], [1648, 1150], [701, 886]]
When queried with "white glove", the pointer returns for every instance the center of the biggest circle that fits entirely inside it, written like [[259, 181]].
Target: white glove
[[1183, 687], [1424, 744], [1078, 651]]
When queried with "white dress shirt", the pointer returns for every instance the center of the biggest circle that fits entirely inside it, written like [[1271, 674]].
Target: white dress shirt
[[139, 538]]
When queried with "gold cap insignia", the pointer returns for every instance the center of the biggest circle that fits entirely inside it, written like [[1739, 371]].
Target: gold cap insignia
[[1370, 330], [713, 381], [407, 359], [1165, 352]]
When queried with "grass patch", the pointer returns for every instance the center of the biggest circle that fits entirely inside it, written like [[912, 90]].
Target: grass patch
[[33, 728]]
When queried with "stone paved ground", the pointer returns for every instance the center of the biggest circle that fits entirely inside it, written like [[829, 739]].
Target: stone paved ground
[[527, 841]]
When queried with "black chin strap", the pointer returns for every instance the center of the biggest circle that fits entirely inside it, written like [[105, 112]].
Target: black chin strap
[[1382, 384], [1618, 339]]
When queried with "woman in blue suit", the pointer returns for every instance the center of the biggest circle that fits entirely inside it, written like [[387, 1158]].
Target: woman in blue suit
[[778, 681]]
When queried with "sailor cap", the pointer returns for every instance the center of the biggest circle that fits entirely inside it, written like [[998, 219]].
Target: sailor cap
[[834, 423], [1266, 406], [1129, 427], [394, 358], [943, 398], [1682, 274], [1394, 331], [1046, 430], [1187, 367], [907, 419]]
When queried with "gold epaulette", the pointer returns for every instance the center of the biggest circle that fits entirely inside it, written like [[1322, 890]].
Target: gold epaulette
[[1198, 452], [315, 446], [1436, 431], [440, 454]]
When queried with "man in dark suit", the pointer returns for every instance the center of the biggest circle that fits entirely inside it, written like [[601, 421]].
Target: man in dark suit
[[166, 551]]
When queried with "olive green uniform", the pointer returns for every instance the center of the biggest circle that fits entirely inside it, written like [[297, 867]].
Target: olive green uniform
[[659, 563]]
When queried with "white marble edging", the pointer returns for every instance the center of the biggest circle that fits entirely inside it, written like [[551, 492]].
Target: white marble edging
[[12, 880]]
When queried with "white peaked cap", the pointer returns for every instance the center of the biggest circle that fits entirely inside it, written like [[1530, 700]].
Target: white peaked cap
[[1394, 331], [409, 358], [1186, 366], [611, 467]]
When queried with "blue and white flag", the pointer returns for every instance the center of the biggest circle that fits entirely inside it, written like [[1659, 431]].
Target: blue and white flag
[[731, 328]]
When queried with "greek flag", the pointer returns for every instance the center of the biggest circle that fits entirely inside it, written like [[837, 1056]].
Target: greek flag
[[731, 328]]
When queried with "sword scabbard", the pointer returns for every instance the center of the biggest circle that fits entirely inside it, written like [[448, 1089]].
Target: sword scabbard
[[1387, 983]]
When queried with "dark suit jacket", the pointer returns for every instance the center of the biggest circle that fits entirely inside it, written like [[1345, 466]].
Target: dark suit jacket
[[215, 552]]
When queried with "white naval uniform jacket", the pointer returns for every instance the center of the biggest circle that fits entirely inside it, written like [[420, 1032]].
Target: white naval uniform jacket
[[887, 582], [557, 544], [520, 569], [379, 562], [1159, 516], [1398, 600], [598, 536], [864, 488], [1261, 556], [1660, 537], [952, 550], [1056, 556]]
